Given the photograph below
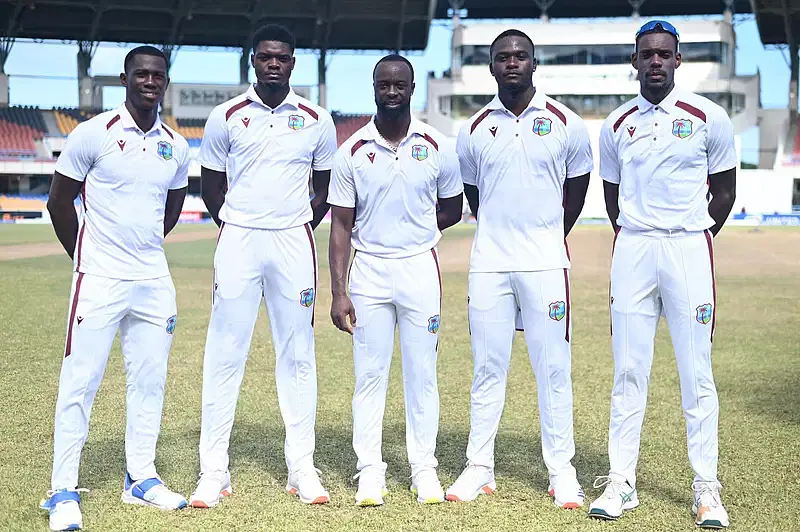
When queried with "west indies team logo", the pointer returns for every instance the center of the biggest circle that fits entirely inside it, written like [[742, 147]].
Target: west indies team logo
[[296, 122], [542, 126], [419, 152], [164, 150], [307, 297], [558, 309], [682, 128], [704, 313], [433, 324], [171, 323]]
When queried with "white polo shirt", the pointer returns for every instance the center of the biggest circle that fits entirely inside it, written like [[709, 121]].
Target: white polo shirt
[[126, 175], [661, 157], [268, 155], [520, 165], [395, 194]]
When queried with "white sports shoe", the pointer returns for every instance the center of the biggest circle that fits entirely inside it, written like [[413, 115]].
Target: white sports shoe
[[64, 509], [473, 481], [371, 487], [306, 485], [211, 488], [152, 492], [618, 496], [425, 485], [708, 507], [566, 492]]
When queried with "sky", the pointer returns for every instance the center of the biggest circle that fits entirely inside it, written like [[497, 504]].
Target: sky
[[44, 74]]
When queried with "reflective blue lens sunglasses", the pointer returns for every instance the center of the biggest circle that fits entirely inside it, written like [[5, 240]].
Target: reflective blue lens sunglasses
[[654, 25]]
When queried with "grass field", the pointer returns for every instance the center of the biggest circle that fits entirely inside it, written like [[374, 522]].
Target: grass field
[[756, 366]]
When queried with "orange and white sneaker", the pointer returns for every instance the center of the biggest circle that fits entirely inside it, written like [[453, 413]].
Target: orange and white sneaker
[[306, 485], [475, 480], [566, 492], [707, 506], [211, 488]]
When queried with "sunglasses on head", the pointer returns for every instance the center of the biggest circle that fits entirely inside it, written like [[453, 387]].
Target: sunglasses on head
[[654, 25]]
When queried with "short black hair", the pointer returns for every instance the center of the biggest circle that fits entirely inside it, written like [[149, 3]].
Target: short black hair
[[273, 32], [511, 33], [144, 50], [394, 58]]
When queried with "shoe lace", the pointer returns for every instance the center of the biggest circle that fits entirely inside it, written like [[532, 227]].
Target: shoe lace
[[50, 493], [217, 476], [470, 474], [613, 487], [310, 476], [707, 493]]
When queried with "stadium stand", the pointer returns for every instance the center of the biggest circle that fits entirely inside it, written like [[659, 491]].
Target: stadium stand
[[346, 125], [68, 119], [23, 204], [20, 127]]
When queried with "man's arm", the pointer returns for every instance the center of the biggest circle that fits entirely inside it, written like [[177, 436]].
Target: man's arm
[[449, 211], [574, 198], [172, 211], [611, 193], [212, 185], [471, 192], [722, 187], [342, 219], [61, 206], [319, 203]]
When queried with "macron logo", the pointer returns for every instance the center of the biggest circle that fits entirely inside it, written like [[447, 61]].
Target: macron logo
[[631, 130], [371, 157], [246, 121], [121, 144], [493, 131]]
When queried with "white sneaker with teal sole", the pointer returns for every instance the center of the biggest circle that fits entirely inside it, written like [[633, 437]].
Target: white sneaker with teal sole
[[707, 506], [425, 485], [152, 492], [618, 497], [475, 480], [64, 509]]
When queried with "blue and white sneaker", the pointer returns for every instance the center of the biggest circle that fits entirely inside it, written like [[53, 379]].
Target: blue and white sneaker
[[64, 509], [152, 492]]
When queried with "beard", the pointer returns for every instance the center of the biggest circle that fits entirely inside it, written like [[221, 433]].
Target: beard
[[393, 112]]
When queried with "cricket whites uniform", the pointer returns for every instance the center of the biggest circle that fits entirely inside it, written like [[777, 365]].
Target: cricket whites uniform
[[265, 250], [520, 263], [395, 279], [661, 156], [121, 282]]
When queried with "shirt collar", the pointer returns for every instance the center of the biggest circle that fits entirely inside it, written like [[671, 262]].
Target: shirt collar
[[415, 128], [667, 103], [128, 122], [539, 101], [291, 99]]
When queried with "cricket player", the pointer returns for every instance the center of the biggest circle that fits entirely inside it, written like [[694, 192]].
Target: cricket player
[[256, 155], [387, 179], [131, 172], [661, 154], [525, 160]]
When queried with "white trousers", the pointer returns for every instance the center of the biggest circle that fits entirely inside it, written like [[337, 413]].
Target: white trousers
[[145, 314], [405, 293], [494, 302], [652, 273], [279, 266]]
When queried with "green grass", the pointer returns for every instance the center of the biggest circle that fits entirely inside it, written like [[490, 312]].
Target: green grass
[[755, 363], [15, 234]]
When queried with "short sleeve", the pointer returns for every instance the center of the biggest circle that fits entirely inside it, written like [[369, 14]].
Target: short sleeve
[[720, 143], [181, 179], [469, 168], [609, 157], [216, 143], [79, 153], [326, 145], [449, 184], [342, 188], [579, 150]]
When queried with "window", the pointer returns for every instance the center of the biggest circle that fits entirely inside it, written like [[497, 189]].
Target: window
[[464, 106]]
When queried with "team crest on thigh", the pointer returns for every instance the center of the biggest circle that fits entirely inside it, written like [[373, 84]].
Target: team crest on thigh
[[558, 309], [704, 313], [171, 323], [419, 152], [433, 324], [682, 128], [307, 297], [296, 122], [542, 126], [165, 150]]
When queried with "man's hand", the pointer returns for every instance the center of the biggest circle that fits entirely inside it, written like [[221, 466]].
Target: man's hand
[[341, 309]]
